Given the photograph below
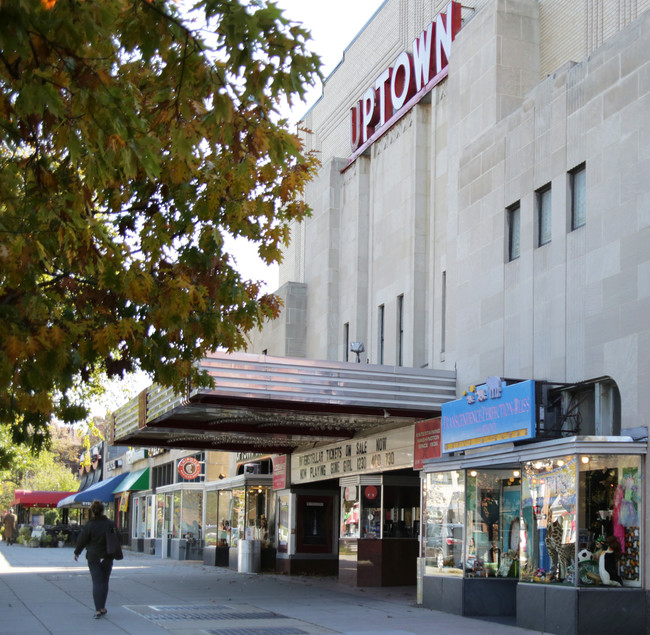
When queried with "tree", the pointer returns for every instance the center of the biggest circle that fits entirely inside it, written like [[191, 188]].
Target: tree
[[129, 145], [45, 471]]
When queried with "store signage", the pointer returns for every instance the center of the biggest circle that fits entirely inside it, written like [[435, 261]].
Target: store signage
[[189, 468], [403, 85], [427, 442], [489, 414], [133, 456], [280, 472], [377, 453]]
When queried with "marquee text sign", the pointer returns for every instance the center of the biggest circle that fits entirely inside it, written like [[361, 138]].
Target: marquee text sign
[[377, 453], [402, 85]]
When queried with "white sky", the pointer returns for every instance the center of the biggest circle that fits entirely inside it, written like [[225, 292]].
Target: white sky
[[333, 25]]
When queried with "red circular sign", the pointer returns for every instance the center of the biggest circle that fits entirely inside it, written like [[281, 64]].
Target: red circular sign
[[370, 492], [189, 467]]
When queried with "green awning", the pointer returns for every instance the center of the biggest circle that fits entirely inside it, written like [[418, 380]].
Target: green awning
[[135, 480]]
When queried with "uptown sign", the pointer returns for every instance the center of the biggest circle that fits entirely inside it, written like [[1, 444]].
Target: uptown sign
[[403, 85]]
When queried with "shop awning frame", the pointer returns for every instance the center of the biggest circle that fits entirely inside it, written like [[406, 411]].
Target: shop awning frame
[[102, 491], [45, 499], [507, 455], [276, 405], [138, 480]]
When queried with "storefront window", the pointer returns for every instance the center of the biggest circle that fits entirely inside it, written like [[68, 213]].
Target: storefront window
[[610, 495], [168, 516], [160, 516], [136, 517], [176, 514], [370, 515], [237, 515], [259, 516], [401, 511], [211, 518], [283, 524], [443, 522], [548, 533], [493, 526], [148, 532], [224, 515], [350, 512], [192, 504]]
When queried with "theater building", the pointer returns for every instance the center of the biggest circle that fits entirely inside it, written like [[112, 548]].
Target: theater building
[[481, 217]]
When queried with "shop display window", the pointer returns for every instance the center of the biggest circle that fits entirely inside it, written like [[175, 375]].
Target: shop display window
[[493, 525], [401, 511], [443, 522], [192, 509], [370, 512], [258, 514], [223, 515], [549, 532], [160, 516], [211, 518], [176, 514], [237, 515], [350, 512], [610, 513], [284, 527]]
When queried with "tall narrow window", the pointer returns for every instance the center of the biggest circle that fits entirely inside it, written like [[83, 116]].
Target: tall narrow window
[[380, 327], [544, 215], [578, 197], [346, 342], [400, 330], [513, 231], [443, 317]]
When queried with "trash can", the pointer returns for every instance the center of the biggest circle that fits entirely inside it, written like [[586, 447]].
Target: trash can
[[249, 556]]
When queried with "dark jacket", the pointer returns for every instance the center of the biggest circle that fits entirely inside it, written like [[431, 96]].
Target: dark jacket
[[93, 538]]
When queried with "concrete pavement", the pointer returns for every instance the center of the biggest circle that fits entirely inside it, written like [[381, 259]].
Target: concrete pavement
[[45, 591]]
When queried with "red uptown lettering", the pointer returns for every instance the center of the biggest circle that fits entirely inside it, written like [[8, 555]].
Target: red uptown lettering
[[411, 74]]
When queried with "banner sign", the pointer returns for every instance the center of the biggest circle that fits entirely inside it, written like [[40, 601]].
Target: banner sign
[[427, 442], [280, 472], [489, 414]]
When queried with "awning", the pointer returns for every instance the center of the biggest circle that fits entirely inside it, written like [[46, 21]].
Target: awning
[[102, 491], [138, 480], [275, 405], [28, 498]]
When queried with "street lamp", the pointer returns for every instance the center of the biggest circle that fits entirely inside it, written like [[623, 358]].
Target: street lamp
[[357, 348]]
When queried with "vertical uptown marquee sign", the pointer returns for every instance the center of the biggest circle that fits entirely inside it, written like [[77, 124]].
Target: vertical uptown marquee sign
[[406, 82]]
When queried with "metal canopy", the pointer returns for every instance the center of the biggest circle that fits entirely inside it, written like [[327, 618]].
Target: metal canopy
[[276, 404]]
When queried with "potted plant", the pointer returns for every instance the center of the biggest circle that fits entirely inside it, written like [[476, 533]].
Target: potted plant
[[61, 539], [24, 534], [46, 540]]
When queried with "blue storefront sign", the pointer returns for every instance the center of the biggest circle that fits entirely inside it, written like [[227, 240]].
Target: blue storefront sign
[[489, 414]]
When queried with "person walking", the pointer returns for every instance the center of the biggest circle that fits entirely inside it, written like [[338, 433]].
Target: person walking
[[93, 539], [9, 526]]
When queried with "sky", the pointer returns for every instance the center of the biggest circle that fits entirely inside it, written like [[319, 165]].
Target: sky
[[333, 25]]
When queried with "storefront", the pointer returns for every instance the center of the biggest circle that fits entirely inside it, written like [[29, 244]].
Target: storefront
[[236, 509], [352, 509], [537, 530], [168, 521]]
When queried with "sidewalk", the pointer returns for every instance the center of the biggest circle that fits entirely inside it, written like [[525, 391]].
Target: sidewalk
[[46, 591]]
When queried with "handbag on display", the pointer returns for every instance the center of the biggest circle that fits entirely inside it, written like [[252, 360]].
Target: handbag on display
[[113, 547]]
